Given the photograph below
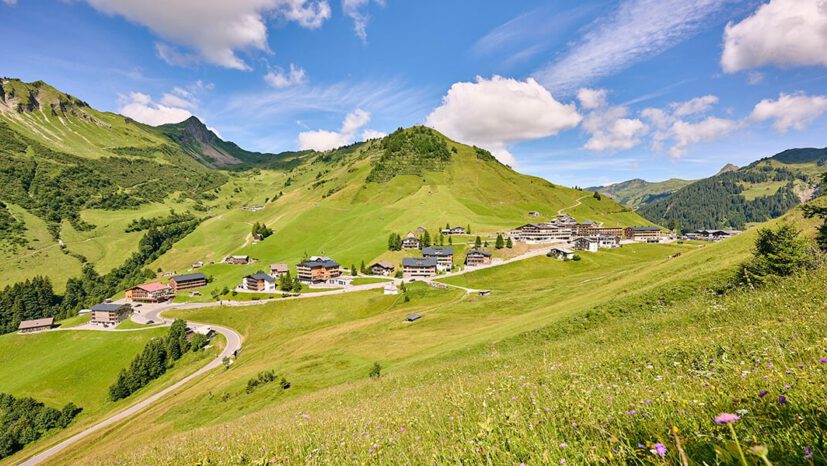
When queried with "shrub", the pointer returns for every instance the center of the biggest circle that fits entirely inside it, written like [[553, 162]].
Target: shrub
[[376, 369], [778, 253]]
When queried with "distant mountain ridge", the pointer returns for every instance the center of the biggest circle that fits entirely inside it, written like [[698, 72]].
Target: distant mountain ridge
[[637, 192]]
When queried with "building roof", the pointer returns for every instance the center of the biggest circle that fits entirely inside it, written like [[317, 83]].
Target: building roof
[[563, 250], [478, 251], [328, 263], [150, 287], [410, 235], [644, 228], [437, 251], [107, 307], [261, 276], [419, 262], [611, 237], [240, 257], [384, 265], [278, 268], [36, 323], [189, 277], [585, 238], [413, 317]]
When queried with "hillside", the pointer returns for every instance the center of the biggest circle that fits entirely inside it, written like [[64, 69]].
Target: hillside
[[637, 192], [557, 356], [760, 191]]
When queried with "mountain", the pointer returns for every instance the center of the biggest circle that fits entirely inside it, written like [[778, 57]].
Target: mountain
[[637, 192], [735, 198], [727, 168]]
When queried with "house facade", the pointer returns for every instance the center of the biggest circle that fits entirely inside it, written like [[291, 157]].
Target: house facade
[[592, 229], [110, 313], [238, 260], [258, 282], [318, 269], [586, 244], [477, 257], [541, 233], [444, 256], [188, 281], [36, 325], [453, 231], [644, 234], [149, 293], [278, 270], [410, 241], [561, 253], [383, 268], [419, 267], [608, 241], [712, 235]]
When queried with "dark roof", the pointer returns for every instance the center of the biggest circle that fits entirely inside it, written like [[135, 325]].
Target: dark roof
[[585, 238], [107, 307], [326, 264], [383, 264], [644, 228], [261, 276], [190, 277], [37, 323], [413, 317], [478, 251], [436, 251], [419, 262]]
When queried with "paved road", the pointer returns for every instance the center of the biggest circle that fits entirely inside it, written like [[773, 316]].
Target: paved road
[[233, 345], [560, 212]]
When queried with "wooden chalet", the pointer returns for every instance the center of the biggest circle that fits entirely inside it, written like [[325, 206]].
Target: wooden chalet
[[36, 325], [411, 241], [477, 257], [318, 269], [419, 267], [187, 281], [383, 268], [149, 293]]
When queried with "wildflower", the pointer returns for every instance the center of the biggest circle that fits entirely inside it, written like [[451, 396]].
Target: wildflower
[[808, 453], [660, 450], [787, 387], [564, 445], [762, 393], [726, 418], [822, 360], [562, 461], [782, 399]]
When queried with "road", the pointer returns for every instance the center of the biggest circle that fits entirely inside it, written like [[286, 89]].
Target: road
[[233, 345], [560, 212]]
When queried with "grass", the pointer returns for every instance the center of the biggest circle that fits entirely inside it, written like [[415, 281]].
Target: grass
[[369, 280], [601, 358], [130, 324], [753, 191]]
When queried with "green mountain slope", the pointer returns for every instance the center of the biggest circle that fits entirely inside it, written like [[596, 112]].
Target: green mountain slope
[[760, 191], [637, 192]]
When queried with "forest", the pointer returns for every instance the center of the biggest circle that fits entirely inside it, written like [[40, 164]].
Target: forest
[[410, 152], [24, 420]]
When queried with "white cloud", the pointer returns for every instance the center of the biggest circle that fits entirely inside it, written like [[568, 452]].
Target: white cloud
[[10, 2], [140, 107], [709, 129], [637, 30], [323, 140], [781, 32], [355, 10], [698, 105], [173, 100], [591, 98], [214, 29], [281, 79], [372, 134], [755, 77], [494, 113], [610, 130], [790, 110]]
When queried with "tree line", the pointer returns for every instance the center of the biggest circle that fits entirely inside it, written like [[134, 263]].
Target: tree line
[[158, 355], [24, 420]]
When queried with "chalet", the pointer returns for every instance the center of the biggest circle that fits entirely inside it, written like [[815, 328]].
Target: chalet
[[36, 325], [476, 257], [453, 231], [541, 233], [110, 313], [391, 289], [643, 234], [413, 317], [149, 293], [419, 267], [384, 268], [237, 260], [586, 244], [712, 235], [197, 265], [258, 282], [188, 281], [444, 256], [607, 241], [410, 241], [277, 270], [318, 269], [339, 282], [533, 213], [561, 253]]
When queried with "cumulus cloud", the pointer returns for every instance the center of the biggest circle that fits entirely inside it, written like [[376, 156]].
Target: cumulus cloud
[[708, 129], [323, 140], [781, 32], [635, 31], [609, 129], [281, 79], [140, 107], [494, 113], [695, 106], [591, 98], [790, 111], [355, 9], [214, 29]]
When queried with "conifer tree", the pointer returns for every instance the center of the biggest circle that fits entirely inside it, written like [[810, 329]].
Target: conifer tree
[[500, 243], [478, 242]]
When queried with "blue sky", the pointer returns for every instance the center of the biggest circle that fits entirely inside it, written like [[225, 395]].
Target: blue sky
[[579, 92]]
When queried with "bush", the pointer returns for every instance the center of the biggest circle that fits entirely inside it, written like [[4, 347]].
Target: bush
[[376, 370], [778, 253]]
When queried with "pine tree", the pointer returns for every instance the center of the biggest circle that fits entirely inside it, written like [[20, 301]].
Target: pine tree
[[297, 285], [362, 268], [500, 243], [426, 239], [508, 243], [450, 241], [468, 230], [353, 269], [478, 242]]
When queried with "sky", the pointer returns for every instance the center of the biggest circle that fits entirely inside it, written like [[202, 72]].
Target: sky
[[581, 93]]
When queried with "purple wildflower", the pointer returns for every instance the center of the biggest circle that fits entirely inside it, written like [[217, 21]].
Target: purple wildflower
[[726, 418], [762, 393], [660, 450], [822, 360], [808, 453], [562, 461], [782, 399]]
